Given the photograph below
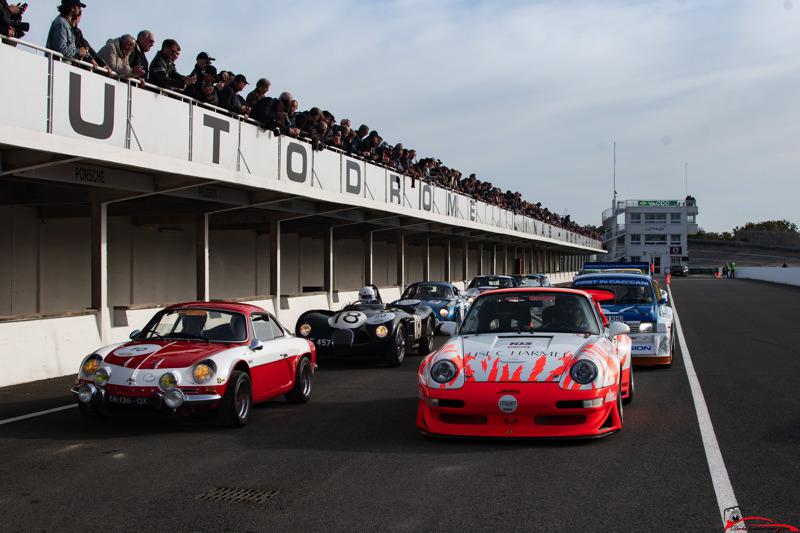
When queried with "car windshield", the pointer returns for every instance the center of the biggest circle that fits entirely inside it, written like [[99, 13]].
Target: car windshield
[[428, 291], [626, 292], [531, 312], [197, 324], [529, 281], [495, 282]]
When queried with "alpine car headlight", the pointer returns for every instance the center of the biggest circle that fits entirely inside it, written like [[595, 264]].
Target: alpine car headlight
[[168, 381], [646, 327], [101, 377], [91, 364], [583, 372], [443, 312], [305, 330], [204, 372], [381, 331], [443, 372], [470, 300]]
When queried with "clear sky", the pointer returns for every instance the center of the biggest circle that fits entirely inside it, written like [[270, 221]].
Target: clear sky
[[529, 95]]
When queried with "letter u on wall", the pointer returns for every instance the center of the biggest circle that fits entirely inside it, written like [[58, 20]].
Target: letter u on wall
[[100, 131]]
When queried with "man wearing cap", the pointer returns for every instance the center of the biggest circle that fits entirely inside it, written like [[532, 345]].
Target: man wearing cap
[[202, 63], [61, 37], [163, 72], [230, 98], [262, 87]]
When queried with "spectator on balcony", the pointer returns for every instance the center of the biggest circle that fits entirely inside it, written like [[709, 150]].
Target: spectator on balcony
[[10, 23], [116, 54], [92, 57], [144, 42], [202, 61], [61, 38], [204, 90], [230, 98], [163, 72], [262, 87]]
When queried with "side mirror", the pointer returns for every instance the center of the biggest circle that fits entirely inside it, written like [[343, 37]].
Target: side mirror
[[256, 345], [618, 328], [134, 334], [449, 329]]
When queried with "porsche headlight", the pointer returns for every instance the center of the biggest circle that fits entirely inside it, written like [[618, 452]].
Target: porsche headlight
[[168, 381], [101, 377], [204, 372], [444, 312], [381, 331], [91, 365], [583, 372], [646, 327], [305, 330], [444, 372]]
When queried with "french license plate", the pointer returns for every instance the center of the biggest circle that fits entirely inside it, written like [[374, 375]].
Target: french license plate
[[129, 401], [615, 318]]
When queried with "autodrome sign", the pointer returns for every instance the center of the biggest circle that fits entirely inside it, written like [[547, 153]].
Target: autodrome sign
[[88, 107]]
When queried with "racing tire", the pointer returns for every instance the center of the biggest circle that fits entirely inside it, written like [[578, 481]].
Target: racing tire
[[397, 351], [671, 347], [237, 403], [620, 409], [301, 392], [426, 342], [631, 390]]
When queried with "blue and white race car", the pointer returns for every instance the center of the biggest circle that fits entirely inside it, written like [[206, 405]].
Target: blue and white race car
[[644, 307], [447, 302]]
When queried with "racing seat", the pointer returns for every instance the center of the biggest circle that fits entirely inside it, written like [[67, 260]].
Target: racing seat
[[192, 325], [239, 328]]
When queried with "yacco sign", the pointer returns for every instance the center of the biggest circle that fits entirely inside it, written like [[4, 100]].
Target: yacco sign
[[91, 107], [659, 203]]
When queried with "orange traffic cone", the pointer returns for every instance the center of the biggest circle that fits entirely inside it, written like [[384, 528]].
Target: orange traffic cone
[[669, 279]]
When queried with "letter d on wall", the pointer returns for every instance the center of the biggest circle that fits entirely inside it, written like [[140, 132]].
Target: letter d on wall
[[352, 178], [96, 131]]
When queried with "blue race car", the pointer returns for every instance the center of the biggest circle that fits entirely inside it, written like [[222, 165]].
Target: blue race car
[[640, 303], [447, 302]]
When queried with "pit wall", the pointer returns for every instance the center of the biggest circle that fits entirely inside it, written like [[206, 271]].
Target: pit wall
[[784, 276], [46, 348]]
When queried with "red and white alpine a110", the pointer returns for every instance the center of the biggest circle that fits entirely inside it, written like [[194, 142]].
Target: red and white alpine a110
[[198, 357], [537, 362]]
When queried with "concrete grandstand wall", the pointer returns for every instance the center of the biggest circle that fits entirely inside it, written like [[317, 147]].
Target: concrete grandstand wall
[[785, 276]]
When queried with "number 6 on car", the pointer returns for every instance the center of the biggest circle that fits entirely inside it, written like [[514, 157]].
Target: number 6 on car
[[196, 357]]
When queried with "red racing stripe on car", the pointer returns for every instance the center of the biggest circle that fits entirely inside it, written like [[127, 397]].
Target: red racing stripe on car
[[538, 368]]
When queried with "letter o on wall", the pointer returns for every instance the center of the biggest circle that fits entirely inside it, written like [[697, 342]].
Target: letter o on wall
[[426, 197], [296, 149]]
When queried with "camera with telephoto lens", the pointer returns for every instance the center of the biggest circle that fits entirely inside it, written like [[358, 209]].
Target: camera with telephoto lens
[[15, 22]]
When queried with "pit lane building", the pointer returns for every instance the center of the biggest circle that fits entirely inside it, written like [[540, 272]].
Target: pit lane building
[[117, 199], [653, 231]]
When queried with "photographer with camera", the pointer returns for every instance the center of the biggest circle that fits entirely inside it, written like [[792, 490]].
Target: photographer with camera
[[11, 24]]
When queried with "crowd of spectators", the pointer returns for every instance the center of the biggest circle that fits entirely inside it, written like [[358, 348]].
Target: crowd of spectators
[[126, 57]]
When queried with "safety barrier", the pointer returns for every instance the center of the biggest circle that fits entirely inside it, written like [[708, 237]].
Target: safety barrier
[[785, 276]]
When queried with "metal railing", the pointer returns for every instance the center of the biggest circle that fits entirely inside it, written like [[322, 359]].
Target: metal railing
[[569, 236]]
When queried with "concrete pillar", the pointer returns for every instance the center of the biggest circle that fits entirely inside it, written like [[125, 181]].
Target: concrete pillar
[[202, 258], [368, 255], [480, 259], [401, 260], [99, 242], [327, 266], [426, 259], [466, 259], [505, 260], [275, 264], [448, 263], [494, 259]]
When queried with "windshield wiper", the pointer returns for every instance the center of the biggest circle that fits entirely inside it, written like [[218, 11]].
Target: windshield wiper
[[156, 334]]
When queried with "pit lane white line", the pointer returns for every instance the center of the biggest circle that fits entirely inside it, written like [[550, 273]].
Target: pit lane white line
[[723, 489], [34, 415]]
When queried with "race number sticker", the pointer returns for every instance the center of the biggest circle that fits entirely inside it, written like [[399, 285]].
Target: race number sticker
[[381, 318], [137, 350], [348, 320]]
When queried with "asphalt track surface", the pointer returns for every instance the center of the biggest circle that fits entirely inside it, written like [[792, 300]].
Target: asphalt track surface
[[353, 460]]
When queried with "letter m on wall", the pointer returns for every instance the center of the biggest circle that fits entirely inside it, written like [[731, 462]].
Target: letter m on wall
[[101, 131]]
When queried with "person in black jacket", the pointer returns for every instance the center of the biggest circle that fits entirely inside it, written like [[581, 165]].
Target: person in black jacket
[[144, 42], [163, 72], [230, 98]]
